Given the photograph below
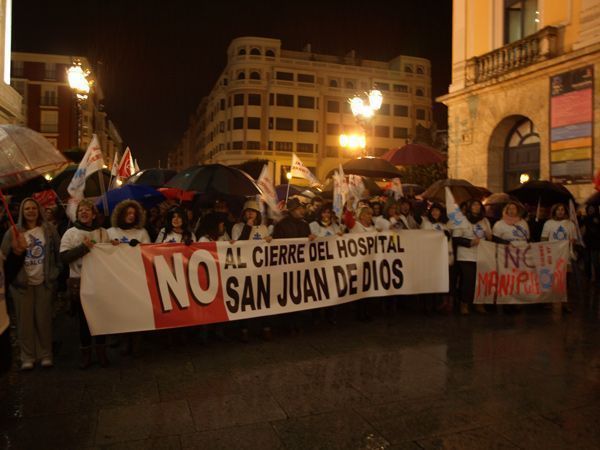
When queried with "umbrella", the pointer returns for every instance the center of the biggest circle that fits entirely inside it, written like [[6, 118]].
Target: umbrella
[[152, 177], [462, 190], [303, 191], [370, 167], [411, 190], [146, 195], [177, 194], [25, 154], [594, 199], [369, 183], [61, 182], [543, 192], [215, 178], [414, 155]]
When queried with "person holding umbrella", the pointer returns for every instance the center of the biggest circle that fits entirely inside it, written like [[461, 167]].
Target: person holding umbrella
[[74, 245], [35, 284]]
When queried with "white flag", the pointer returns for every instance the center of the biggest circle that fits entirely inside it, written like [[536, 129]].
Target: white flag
[[396, 188], [356, 189], [92, 162], [269, 195], [115, 165], [299, 170], [455, 216]]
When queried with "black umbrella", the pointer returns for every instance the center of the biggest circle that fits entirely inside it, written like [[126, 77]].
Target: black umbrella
[[215, 178], [152, 177], [543, 192], [61, 182], [371, 167]]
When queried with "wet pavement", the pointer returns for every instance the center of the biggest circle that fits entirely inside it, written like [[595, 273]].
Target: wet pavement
[[402, 381]]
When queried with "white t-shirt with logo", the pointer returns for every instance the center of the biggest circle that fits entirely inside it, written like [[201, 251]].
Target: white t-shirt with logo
[[170, 238], [125, 236], [517, 232], [558, 230], [257, 233], [470, 231], [34, 255], [73, 237], [323, 231]]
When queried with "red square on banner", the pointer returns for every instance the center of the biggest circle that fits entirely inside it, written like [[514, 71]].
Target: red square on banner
[[184, 282]]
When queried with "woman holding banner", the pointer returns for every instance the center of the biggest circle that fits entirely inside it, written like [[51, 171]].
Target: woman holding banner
[[467, 237], [325, 223], [177, 228], [511, 227], [128, 220], [74, 245]]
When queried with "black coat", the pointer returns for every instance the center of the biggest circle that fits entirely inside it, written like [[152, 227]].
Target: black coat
[[290, 227]]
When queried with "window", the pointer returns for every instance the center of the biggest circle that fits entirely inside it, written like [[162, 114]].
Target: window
[[242, 51], [382, 86], [255, 75], [385, 109], [419, 92], [225, 81], [420, 114], [253, 145], [408, 69], [305, 148], [333, 106], [350, 84], [400, 88], [306, 78], [49, 96], [17, 68], [238, 99], [333, 83], [286, 76], [307, 126], [421, 70], [241, 76], [238, 123], [49, 122], [254, 123], [400, 132], [254, 99], [401, 110], [284, 146], [284, 124], [270, 54], [238, 145], [285, 100], [222, 104], [255, 51], [306, 102], [271, 99], [333, 129], [382, 131], [521, 18], [221, 127], [270, 145], [50, 71]]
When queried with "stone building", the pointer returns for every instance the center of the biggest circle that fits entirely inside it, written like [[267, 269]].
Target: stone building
[[522, 101]]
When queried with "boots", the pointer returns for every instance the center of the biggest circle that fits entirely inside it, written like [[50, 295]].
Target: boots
[[101, 355], [86, 358], [464, 309]]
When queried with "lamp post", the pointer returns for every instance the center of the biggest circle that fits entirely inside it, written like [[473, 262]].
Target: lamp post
[[363, 112], [81, 87]]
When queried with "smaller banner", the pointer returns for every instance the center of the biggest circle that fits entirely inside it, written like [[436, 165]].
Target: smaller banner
[[522, 274], [299, 170]]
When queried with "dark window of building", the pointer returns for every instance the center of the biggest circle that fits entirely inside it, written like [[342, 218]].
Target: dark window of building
[[385, 109], [306, 102], [270, 53], [400, 132], [420, 114], [271, 99], [333, 83], [225, 81], [284, 146], [238, 145], [307, 126], [284, 124], [255, 75], [400, 88], [521, 18], [333, 106], [242, 76], [222, 104], [238, 99], [419, 92], [285, 100], [270, 145], [238, 123], [350, 84], [382, 131], [306, 78], [50, 71], [401, 110], [305, 147], [286, 76], [254, 99], [382, 86], [242, 51], [253, 145], [221, 127], [255, 51], [254, 123], [421, 70], [333, 128], [270, 123], [408, 69]]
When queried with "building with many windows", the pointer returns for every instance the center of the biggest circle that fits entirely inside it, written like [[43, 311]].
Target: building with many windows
[[521, 104], [269, 102], [50, 105], [10, 100]]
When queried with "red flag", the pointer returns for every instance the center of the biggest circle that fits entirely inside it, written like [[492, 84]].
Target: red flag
[[125, 169], [46, 199]]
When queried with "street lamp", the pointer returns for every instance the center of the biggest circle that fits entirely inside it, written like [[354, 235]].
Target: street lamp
[[363, 111], [81, 87]]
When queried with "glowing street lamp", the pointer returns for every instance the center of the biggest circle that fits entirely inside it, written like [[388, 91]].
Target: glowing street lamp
[[524, 178], [363, 111], [80, 85], [353, 141]]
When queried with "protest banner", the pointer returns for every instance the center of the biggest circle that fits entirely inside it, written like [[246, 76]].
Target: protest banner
[[156, 286], [522, 273]]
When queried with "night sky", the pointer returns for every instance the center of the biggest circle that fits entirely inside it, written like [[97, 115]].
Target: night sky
[[155, 60]]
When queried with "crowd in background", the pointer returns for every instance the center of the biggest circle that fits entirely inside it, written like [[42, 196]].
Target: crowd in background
[[51, 263]]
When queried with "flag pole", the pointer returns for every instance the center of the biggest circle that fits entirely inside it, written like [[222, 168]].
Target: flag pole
[[103, 192]]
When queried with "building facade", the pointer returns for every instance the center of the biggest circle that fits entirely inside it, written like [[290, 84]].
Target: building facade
[[50, 106], [523, 101], [269, 102], [10, 100]]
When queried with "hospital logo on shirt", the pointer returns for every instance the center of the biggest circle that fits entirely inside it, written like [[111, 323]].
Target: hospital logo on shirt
[[35, 252], [519, 232], [560, 234], [479, 231]]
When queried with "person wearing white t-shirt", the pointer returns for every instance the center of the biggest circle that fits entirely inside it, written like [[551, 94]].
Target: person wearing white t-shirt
[[35, 284], [128, 220], [362, 223], [325, 224], [511, 227], [250, 227], [177, 228]]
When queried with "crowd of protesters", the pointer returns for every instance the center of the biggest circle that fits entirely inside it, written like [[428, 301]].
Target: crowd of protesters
[[45, 253]]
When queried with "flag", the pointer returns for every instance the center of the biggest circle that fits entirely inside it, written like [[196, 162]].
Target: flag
[[299, 170], [356, 189], [573, 218], [46, 199], [455, 216], [268, 196], [126, 168], [115, 165], [396, 188], [92, 162]]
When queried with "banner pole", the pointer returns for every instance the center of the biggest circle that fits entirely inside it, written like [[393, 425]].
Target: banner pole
[[103, 192]]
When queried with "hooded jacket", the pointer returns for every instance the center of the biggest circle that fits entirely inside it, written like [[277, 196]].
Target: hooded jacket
[[128, 233]]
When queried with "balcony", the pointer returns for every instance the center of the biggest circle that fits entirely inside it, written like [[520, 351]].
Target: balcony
[[516, 55]]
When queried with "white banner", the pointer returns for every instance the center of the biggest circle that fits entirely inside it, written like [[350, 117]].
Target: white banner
[[522, 274], [92, 162], [154, 286]]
